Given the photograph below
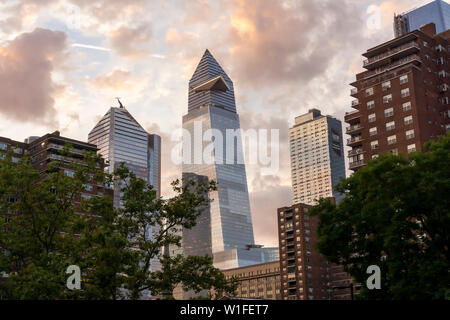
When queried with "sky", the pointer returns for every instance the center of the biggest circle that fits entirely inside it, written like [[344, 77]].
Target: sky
[[63, 62]]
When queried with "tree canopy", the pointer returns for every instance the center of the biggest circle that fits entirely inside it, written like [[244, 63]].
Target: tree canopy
[[395, 215], [46, 225]]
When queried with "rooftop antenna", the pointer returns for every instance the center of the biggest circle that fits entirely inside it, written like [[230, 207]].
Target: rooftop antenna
[[120, 103]]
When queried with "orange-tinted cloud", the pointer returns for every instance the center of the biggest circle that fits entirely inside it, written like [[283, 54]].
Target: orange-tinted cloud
[[27, 90], [271, 43], [116, 80], [129, 41]]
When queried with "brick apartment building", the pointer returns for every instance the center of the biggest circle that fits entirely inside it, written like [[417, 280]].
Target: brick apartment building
[[402, 99], [259, 281], [305, 275], [42, 150]]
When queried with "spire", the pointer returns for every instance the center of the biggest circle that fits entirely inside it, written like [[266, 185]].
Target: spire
[[207, 69]]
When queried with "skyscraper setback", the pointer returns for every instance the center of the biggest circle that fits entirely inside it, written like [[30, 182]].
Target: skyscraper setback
[[226, 229], [402, 98], [317, 157]]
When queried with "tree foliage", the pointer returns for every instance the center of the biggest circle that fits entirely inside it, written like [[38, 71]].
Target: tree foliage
[[46, 226], [395, 215]]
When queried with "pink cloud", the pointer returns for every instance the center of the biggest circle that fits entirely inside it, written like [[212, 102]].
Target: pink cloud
[[26, 67]]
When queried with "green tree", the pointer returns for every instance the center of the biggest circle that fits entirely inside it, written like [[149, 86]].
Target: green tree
[[395, 215], [45, 226]]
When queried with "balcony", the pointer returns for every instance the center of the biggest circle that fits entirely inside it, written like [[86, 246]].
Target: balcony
[[354, 141], [355, 102], [396, 64], [384, 58], [353, 91], [353, 129], [355, 152], [352, 115], [356, 164]]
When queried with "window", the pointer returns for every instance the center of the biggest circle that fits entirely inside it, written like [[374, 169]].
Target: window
[[392, 139], [386, 85], [389, 112], [373, 131], [18, 150], [390, 125], [15, 160], [374, 156], [370, 105], [387, 98], [411, 147], [86, 196], [406, 106], [372, 117], [369, 92], [3, 146], [69, 173], [87, 187], [394, 151], [404, 79], [409, 134], [405, 93], [407, 120], [374, 144]]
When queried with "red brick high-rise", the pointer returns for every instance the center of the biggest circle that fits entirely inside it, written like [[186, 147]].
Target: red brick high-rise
[[402, 99]]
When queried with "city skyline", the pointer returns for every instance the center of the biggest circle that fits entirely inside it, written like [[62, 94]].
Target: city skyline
[[88, 62]]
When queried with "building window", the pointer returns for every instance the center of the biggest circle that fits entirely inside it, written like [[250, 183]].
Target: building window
[[374, 144], [406, 106], [369, 92], [370, 105], [69, 173], [405, 93], [411, 147], [408, 120], [387, 98], [389, 112], [410, 134], [3, 146], [392, 139], [372, 117], [390, 126], [386, 85], [374, 156], [373, 131], [394, 151], [404, 79]]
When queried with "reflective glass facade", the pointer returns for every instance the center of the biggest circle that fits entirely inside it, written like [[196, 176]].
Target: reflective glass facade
[[120, 138], [226, 226], [437, 12]]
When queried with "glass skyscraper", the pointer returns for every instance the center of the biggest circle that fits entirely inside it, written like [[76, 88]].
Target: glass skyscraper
[[120, 138], [437, 12], [225, 228]]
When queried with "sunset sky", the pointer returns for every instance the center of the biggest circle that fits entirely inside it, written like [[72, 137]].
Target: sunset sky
[[62, 62]]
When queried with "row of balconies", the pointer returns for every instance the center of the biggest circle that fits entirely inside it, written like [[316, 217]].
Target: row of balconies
[[408, 59], [379, 59]]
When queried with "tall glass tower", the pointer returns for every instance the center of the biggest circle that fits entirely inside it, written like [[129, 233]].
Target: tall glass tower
[[120, 138], [225, 228], [437, 11]]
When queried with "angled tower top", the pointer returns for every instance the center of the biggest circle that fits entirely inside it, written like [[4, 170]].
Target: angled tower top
[[210, 86]]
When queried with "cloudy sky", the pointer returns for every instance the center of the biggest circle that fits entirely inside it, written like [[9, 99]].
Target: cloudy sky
[[62, 62]]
